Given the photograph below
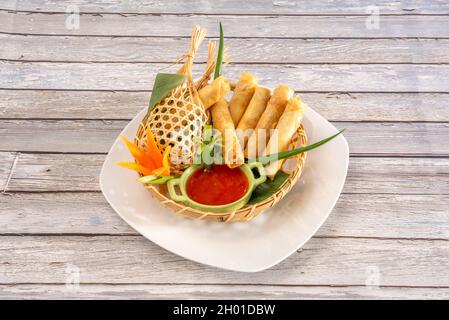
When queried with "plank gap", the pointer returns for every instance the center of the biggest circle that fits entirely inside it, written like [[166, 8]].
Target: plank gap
[[227, 37], [238, 14]]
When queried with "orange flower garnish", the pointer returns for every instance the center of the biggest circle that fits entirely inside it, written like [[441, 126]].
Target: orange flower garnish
[[165, 169], [149, 162]]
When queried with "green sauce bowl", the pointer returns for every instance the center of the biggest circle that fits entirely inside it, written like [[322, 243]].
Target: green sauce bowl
[[181, 182]]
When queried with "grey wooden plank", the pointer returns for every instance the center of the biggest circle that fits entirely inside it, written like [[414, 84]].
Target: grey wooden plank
[[389, 175], [75, 172], [6, 165], [133, 259], [96, 136], [384, 215], [310, 77], [128, 49], [234, 25], [233, 6], [23, 104], [59, 213], [56, 172], [389, 216], [59, 136], [334, 106], [186, 291]]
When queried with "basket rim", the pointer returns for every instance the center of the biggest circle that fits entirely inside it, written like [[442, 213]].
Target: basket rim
[[247, 212], [246, 206]]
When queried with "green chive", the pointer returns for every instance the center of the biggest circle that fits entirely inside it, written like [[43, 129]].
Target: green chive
[[154, 179], [147, 179], [219, 63], [290, 153]]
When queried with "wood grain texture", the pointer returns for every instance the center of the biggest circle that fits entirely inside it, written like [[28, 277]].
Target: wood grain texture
[[334, 106], [310, 77], [390, 175], [232, 6], [66, 93], [59, 136], [56, 172], [355, 215], [6, 167], [234, 25], [133, 259], [186, 291], [75, 172], [60, 213], [97, 136], [128, 49]]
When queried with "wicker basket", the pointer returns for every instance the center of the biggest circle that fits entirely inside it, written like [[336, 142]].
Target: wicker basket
[[180, 117], [182, 106], [247, 212]]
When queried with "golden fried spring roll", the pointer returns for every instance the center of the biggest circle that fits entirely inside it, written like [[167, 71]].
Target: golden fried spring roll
[[212, 92], [285, 129], [222, 121], [253, 112], [243, 93], [268, 120]]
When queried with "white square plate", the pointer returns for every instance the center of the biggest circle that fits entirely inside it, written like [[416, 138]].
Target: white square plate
[[241, 246]]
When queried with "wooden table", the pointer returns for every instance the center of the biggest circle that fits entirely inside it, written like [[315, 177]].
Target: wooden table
[[66, 92]]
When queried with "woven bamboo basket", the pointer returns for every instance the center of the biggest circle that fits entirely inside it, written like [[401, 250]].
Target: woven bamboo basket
[[247, 212], [179, 118], [182, 110]]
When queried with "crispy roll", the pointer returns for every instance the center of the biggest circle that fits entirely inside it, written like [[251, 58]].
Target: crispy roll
[[285, 129], [253, 112], [243, 93], [222, 121], [212, 92], [268, 120]]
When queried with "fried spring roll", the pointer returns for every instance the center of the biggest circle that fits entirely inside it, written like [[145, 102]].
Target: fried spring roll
[[243, 93], [268, 120], [222, 121], [285, 129], [253, 112], [212, 92]]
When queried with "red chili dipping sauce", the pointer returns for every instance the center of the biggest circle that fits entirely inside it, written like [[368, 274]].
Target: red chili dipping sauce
[[221, 185]]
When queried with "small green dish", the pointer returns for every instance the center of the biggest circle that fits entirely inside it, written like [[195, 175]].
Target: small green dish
[[230, 207]]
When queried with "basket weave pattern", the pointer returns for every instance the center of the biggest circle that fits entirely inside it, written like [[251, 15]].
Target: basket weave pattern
[[247, 212], [175, 122], [180, 117]]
